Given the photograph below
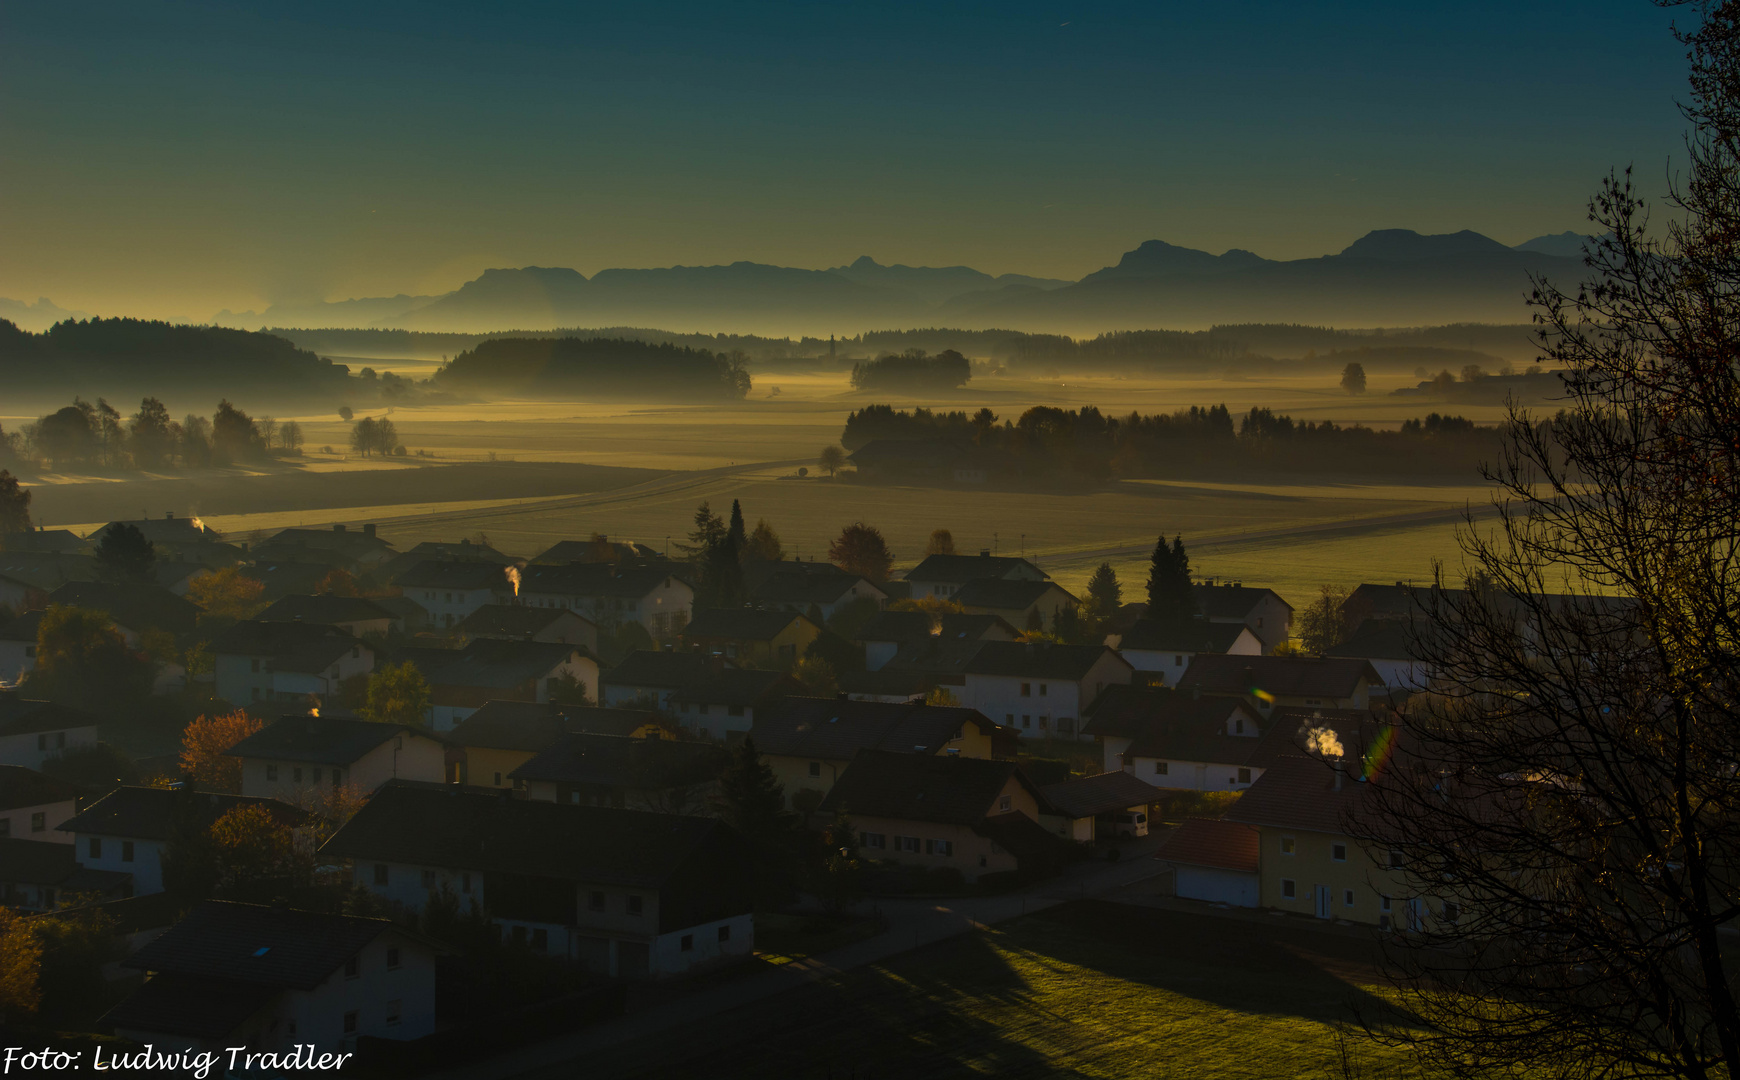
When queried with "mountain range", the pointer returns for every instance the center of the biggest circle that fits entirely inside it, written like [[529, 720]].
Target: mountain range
[[1389, 277]]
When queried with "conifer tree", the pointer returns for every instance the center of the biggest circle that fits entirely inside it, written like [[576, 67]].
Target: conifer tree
[[1170, 597]]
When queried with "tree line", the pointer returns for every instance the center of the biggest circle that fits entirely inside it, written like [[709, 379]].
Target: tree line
[[595, 367], [913, 369], [86, 434]]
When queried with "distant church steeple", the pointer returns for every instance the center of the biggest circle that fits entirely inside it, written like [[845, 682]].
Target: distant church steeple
[[830, 346]]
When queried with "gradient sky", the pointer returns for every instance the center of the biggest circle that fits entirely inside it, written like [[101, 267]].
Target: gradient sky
[[174, 158]]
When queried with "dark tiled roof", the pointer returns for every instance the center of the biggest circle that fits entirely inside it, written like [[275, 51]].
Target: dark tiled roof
[[620, 761], [607, 580], [960, 569], [1231, 601], [1381, 639], [1039, 660], [325, 740], [914, 628], [436, 551], [46, 570], [1101, 794], [1222, 845], [258, 945], [24, 716], [325, 609], [740, 624], [919, 787], [63, 541], [513, 621], [1289, 729], [27, 787], [1282, 676], [1002, 595], [836, 729], [137, 607], [464, 576], [1200, 636], [1299, 792], [802, 588], [738, 686], [662, 670], [1035, 849], [145, 813], [901, 626], [572, 551], [167, 530], [337, 538], [292, 646], [888, 682], [37, 862], [490, 831], [1127, 711], [189, 1005], [490, 662], [283, 577], [532, 726], [23, 628]]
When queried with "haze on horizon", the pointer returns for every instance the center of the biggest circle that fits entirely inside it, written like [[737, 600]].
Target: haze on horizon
[[194, 156]]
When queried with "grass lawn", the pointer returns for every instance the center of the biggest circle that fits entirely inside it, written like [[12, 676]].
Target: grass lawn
[[1089, 989]]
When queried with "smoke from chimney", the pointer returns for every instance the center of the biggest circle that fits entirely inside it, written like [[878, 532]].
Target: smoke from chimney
[[513, 576]]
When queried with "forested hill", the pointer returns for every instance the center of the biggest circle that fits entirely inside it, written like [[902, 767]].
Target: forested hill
[[594, 368], [123, 358]]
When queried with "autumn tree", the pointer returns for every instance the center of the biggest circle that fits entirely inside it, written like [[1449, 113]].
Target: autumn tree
[[1353, 378], [82, 660], [832, 459], [14, 505], [818, 676], [205, 746], [860, 549], [942, 542], [397, 694], [20, 968], [227, 594], [763, 545], [256, 854], [1323, 624]]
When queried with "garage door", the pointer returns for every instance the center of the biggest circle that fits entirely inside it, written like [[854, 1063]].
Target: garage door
[[1217, 886]]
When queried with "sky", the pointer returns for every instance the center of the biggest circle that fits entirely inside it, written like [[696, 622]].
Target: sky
[[174, 158]]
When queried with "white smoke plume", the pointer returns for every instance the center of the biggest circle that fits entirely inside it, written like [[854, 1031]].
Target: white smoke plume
[[513, 576], [1323, 742]]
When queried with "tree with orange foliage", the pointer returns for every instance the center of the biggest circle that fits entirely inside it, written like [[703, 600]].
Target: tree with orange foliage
[[338, 582], [204, 750], [226, 594], [257, 855], [20, 967]]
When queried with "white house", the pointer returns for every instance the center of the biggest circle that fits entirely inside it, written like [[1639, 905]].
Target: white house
[[518, 622], [1270, 682], [1392, 648], [805, 587], [625, 893], [31, 732], [355, 615], [1268, 616], [611, 594], [18, 646], [942, 576], [264, 662], [127, 829], [1167, 650], [461, 681], [296, 757], [34, 806], [271, 979], [1040, 689], [451, 591]]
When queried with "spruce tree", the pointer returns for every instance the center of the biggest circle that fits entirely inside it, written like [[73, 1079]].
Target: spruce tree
[[1105, 594], [1171, 599], [752, 801]]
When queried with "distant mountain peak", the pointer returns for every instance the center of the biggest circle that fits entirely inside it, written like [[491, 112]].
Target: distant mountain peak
[[1567, 245], [1406, 245], [1157, 258]]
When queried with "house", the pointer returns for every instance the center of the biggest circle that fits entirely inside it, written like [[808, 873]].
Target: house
[[298, 757], [1270, 681], [1268, 616], [358, 552], [913, 639], [262, 662], [437, 551], [803, 587], [1040, 688], [356, 615], [126, 830], [43, 877], [31, 731], [1167, 650], [272, 980], [18, 646], [1175, 741], [706, 693], [133, 609], [1216, 861], [1112, 804], [808, 742], [34, 806], [943, 575], [611, 594], [34, 574], [752, 637], [279, 577], [624, 893], [450, 591], [1392, 648], [489, 669], [178, 539], [590, 769], [516, 622], [601, 549], [177, 576], [503, 735], [54, 541], [1028, 604], [16, 596], [976, 816], [651, 679]]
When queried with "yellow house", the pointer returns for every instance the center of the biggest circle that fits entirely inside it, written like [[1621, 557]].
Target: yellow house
[[503, 735], [750, 637], [808, 742]]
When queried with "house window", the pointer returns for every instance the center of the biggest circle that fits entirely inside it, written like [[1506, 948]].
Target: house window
[[815, 768], [429, 880], [296, 775], [393, 958], [687, 944], [1395, 860], [1338, 852], [541, 939], [1178, 661], [1452, 912], [1347, 898], [1027, 721], [96, 848], [906, 844], [1026, 689], [725, 932], [1289, 845], [380, 873], [635, 903], [60, 740], [1042, 688], [595, 901], [1161, 768], [1384, 903], [317, 776], [271, 772], [1005, 803], [945, 848], [876, 840], [1009, 718], [126, 851], [350, 1023], [1244, 776], [1239, 726], [1043, 720], [393, 1009], [39, 822], [352, 969], [1289, 889]]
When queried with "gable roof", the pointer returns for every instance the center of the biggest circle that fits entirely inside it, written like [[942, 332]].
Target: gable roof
[[20, 786], [449, 826], [785, 587], [835, 729], [1231, 601], [1039, 659], [283, 577], [326, 609], [325, 740], [532, 726], [603, 580], [167, 529], [1127, 711], [741, 624], [514, 621], [137, 607], [663, 670], [960, 569], [621, 761], [1004, 595], [37, 862], [339, 538], [1104, 793], [1290, 727], [899, 626], [464, 576], [20, 715], [945, 789], [259, 945], [147, 813], [46, 569], [439, 551], [1381, 639], [1282, 676], [572, 551], [1213, 842], [738, 686], [63, 541], [23, 628], [1299, 792], [1200, 636], [292, 646], [491, 662]]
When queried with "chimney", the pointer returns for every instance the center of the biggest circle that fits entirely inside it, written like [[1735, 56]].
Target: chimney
[[369, 530], [984, 553], [338, 528], [169, 515]]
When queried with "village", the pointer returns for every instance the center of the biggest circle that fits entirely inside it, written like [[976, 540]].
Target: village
[[626, 768]]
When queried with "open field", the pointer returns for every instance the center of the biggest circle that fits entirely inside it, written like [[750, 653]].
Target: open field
[[1089, 989]]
